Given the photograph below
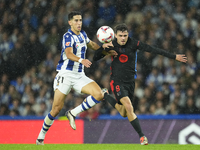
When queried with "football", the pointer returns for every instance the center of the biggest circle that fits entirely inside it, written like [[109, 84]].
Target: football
[[105, 34]]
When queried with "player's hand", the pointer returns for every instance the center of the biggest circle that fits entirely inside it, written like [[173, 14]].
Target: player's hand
[[86, 63], [107, 45], [181, 58], [112, 53]]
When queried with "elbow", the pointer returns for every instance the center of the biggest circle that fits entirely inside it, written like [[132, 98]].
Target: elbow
[[68, 55]]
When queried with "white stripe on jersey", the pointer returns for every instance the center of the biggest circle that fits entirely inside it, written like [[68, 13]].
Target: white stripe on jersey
[[79, 45]]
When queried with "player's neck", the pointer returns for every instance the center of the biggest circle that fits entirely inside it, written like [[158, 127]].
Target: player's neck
[[76, 32]]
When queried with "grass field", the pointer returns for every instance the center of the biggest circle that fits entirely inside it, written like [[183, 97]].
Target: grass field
[[98, 147]]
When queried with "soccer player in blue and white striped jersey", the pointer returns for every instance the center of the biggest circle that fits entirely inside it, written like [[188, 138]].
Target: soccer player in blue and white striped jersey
[[71, 74]]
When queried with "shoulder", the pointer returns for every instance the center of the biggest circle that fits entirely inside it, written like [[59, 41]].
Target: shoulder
[[67, 35], [133, 42], [84, 33]]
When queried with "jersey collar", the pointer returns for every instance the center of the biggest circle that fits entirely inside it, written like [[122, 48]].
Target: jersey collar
[[69, 30], [115, 41]]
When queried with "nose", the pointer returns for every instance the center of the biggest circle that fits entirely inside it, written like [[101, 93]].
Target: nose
[[79, 22]]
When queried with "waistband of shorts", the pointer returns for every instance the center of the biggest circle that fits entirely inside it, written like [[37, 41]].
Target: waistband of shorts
[[70, 72]]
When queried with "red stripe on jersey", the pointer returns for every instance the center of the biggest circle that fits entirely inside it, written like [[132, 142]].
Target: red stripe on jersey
[[112, 86], [138, 43], [110, 70]]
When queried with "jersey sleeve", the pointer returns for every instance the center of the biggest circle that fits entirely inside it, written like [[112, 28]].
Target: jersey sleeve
[[68, 41], [86, 37], [154, 50], [98, 54]]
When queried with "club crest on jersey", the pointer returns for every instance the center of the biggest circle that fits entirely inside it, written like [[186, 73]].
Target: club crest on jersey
[[123, 58], [77, 46], [67, 44]]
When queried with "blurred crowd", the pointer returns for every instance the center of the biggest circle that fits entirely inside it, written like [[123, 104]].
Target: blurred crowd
[[30, 43]]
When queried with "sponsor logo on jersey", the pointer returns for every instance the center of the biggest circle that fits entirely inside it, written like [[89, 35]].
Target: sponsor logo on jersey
[[122, 50], [67, 44]]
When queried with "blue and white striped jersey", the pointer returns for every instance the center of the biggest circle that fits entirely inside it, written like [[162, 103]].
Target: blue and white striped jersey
[[79, 45]]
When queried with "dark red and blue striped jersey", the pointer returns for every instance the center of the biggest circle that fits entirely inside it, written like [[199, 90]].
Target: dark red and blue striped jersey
[[123, 67]]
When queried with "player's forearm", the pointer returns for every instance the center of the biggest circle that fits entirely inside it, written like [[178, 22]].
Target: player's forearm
[[94, 46], [72, 57], [98, 54]]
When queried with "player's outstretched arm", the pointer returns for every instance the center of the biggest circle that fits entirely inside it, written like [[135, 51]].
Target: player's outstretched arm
[[107, 45], [94, 46], [181, 58]]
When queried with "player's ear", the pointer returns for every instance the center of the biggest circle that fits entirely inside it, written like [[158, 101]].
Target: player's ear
[[69, 22], [115, 35]]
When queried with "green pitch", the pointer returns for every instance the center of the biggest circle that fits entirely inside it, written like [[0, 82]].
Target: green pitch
[[98, 147]]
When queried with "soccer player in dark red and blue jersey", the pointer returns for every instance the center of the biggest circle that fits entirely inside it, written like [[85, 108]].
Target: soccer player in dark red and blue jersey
[[123, 73]]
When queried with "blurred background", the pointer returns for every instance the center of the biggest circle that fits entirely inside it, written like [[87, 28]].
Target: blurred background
[[30, 44]]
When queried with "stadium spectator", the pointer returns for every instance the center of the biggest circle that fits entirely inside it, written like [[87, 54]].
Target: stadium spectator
[[190, 107], [4, 110], [106, 13], [173, 109], [160, 109], [6, 46], [53, 39], [27, 111]]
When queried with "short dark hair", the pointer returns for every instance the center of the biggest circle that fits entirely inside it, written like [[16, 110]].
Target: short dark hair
[[72, 14], [121, 27]]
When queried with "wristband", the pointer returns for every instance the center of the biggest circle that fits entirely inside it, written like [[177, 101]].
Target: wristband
[[80, 60]]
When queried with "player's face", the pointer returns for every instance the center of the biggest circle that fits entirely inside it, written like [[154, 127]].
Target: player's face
[[76, 24], [122, 37]]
